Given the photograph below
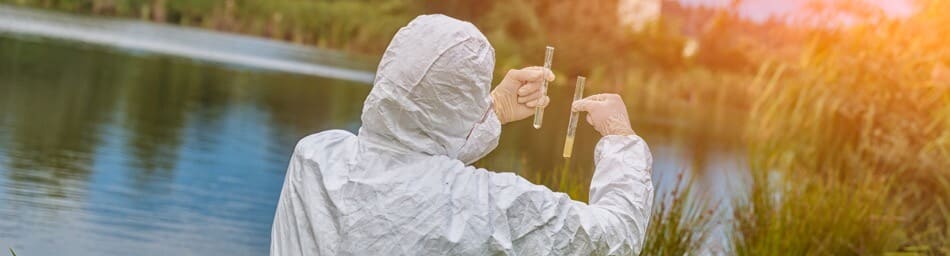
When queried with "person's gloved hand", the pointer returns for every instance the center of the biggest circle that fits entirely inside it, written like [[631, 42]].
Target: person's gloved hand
[[606, 113], [516, 96]]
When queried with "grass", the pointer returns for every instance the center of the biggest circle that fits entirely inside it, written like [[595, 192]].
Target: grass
[[815, 216], [847, 160], [681, 223]]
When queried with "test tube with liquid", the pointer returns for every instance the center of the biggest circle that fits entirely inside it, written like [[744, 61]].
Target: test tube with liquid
[[539, 110], [572, 124]]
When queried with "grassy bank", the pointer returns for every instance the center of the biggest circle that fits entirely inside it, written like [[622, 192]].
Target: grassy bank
[[847, 147], [354, 26]]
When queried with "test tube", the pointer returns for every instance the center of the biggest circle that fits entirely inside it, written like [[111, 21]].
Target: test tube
[[539, 111], [572, 124]]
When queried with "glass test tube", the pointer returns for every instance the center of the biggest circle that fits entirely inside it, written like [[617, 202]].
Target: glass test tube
[[572, 124], [539, 111]]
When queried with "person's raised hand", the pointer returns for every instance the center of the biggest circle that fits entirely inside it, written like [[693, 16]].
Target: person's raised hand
[[516, 96], [606, 113]]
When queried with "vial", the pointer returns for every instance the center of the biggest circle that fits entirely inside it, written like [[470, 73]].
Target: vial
[[572, 124], [539, 110]]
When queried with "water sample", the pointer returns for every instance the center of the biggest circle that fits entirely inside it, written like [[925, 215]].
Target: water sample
[[539, 111], [572, 124]]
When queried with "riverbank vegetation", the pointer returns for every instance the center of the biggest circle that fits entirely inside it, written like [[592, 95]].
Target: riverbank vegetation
[[847, 127]]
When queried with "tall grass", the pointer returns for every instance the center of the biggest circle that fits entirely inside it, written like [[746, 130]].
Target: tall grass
[[933, 225], [846, 159], [803, 198], [795, 214], [681, 223]]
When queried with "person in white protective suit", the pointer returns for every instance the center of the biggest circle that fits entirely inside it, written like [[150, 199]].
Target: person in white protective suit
[[403, 185]]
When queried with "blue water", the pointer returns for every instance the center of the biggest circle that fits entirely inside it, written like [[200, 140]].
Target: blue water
[[103, 152], [210, 199]]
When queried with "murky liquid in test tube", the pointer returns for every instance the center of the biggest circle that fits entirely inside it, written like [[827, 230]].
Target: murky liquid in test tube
[[572, 124], [539, 111]]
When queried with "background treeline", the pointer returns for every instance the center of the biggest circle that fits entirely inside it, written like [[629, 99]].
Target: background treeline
[[586, 32]]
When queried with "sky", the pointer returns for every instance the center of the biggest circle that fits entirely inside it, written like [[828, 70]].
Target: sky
[[760, 10]]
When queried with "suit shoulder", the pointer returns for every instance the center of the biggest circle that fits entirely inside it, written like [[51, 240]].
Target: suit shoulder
[[325, 140]]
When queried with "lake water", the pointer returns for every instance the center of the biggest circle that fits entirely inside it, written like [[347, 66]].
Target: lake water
[[106, 151]]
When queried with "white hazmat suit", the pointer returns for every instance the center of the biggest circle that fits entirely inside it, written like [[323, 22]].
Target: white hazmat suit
[[402, 186]]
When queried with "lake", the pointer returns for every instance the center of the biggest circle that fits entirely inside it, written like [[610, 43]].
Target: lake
[[117, 151]]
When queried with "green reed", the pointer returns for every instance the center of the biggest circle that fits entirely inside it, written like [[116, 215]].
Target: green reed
[[681, 222]]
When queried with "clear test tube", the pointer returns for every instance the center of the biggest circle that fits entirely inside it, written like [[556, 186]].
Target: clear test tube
[[539, 111], [572, 124]]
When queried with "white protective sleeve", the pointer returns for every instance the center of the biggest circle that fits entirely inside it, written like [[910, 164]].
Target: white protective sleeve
[[614, 223]]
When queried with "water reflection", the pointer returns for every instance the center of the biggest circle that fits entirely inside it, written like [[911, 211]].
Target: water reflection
[[53, 129], [148, 152], [124, 153]]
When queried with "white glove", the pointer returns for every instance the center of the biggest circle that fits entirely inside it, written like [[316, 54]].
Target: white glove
[[606, 113], [516, 96]]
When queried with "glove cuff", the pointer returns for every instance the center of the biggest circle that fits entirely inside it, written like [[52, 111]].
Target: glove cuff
[[501, 108], [618, 125]]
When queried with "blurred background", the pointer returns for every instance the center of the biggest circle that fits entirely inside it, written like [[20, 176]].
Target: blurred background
[[800, 127]]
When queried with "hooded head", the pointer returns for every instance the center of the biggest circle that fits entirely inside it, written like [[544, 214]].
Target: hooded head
[[431, 89]]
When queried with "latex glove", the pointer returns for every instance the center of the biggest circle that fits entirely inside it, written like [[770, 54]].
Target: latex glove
[[516, 96], [606, 113]]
